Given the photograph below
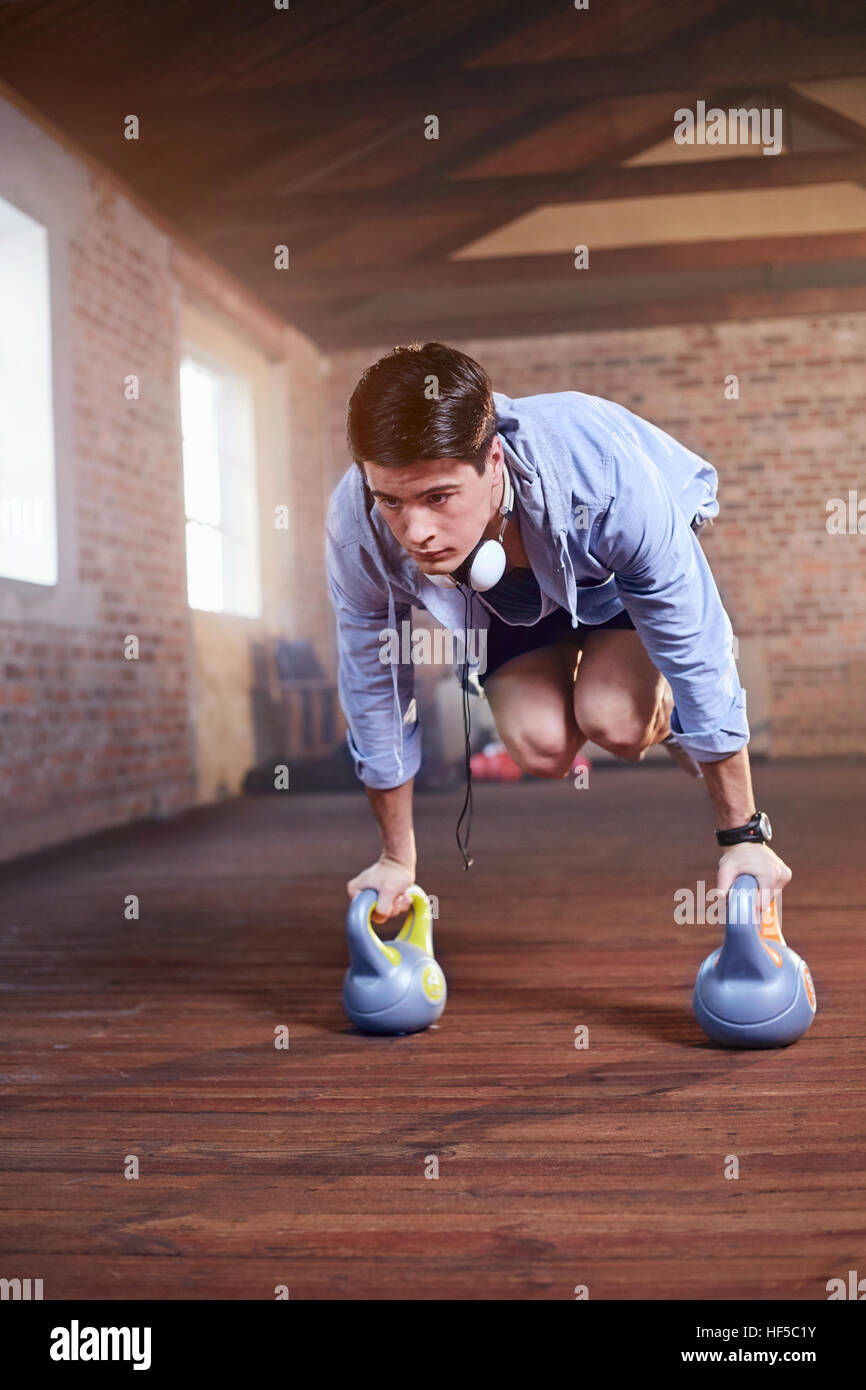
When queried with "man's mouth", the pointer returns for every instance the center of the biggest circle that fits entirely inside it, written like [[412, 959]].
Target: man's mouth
[[431, 554]]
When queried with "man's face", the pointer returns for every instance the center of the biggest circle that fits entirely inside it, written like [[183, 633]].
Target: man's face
[[437, 505]]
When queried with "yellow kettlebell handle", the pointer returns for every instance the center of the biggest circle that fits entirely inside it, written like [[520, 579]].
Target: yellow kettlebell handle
[[418, 927]]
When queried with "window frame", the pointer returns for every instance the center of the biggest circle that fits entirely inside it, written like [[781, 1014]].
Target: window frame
[[228, 460]]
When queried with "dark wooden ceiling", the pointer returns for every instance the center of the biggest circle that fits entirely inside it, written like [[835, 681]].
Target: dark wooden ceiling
[[305, 127]]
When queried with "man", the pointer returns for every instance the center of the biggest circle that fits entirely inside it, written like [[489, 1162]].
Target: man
[[605, 625]]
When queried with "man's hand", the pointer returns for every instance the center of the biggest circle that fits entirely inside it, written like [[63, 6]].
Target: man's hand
[[391, 878], [771, 872]]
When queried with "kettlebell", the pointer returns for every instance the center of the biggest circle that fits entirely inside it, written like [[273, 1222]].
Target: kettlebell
[[392, 986], [753, 991]]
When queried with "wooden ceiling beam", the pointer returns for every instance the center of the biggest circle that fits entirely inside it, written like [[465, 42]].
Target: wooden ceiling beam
[[830, 18], [817, 111], [553, 81], [513, 194], [709, 309], [287, 291], [511, 21], [689, 41], [244, 177], [522, 124]]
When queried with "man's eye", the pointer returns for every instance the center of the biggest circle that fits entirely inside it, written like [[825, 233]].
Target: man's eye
[[434, 498]]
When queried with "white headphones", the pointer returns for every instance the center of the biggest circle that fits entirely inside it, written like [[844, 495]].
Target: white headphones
[[484, 566]]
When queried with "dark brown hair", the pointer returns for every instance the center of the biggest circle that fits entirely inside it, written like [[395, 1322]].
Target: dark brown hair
[[395, 418]]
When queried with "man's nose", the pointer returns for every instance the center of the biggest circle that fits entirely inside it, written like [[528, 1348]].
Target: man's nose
[[418, 529]]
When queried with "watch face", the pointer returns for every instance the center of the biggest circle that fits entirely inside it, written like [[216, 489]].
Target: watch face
[[766, 828]]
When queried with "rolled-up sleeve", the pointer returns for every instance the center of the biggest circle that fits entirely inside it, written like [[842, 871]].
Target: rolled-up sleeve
[[668, 590], [365, 683]]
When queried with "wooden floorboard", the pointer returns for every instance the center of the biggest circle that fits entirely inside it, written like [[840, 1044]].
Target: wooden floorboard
[[306, 1167]]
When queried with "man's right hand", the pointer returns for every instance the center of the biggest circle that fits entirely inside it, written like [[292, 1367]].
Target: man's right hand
[[391, 879]]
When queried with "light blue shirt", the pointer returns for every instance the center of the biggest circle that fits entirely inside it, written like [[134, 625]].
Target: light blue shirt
[[606, 503]]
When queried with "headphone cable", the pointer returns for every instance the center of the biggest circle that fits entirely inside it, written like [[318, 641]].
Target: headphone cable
[[467, 725], [505, 512]]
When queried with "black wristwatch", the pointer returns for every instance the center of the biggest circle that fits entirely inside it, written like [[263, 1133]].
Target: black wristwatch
[[757, 831]]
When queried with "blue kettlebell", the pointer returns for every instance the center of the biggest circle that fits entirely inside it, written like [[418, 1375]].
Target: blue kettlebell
[[392, 986], [753, 991]]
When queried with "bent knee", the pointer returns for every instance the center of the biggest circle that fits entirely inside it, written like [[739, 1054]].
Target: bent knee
[[625, 734], [543, 754]]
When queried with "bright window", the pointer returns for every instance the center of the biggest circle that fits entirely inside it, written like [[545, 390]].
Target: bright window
[[219, 475], [28, 508]]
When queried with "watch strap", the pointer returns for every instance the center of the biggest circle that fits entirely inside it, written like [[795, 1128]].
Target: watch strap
[[750, 833]]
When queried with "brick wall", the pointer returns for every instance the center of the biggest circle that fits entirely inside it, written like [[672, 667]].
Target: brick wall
[[792, 441], [89, 739], [309, 467]]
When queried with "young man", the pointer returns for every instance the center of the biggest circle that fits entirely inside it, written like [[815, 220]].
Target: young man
[[605, 625]]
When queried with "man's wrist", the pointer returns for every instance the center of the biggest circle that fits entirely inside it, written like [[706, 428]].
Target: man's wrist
[[730, 787], [755, 831], [730, 820], [406, 857]]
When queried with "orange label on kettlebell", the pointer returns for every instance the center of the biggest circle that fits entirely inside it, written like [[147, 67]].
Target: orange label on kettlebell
[[810, 988], [770, 929], [431, 983]]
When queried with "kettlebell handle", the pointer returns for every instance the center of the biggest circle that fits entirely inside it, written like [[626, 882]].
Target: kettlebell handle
[[745, 890], [418, 927], [742, 895], [368, 953]]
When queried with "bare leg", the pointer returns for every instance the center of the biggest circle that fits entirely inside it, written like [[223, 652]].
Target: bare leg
[[621, 701], [531, 699]]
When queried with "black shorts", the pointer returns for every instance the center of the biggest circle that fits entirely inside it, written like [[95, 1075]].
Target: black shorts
[[505, 641]]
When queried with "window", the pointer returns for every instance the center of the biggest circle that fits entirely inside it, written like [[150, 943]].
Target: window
[[28, 506], [219, 475]]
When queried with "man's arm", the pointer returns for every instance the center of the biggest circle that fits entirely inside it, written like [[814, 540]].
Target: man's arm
[[729, 783], [393, 811], [668, 590], [367, 699], [366, 684]]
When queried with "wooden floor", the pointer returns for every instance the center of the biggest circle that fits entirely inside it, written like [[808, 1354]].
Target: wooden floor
[[306, 1167]]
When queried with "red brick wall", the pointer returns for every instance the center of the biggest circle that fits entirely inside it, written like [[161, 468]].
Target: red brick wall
[[87, 738], [308, 470], [792, 441], [90, 738]]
